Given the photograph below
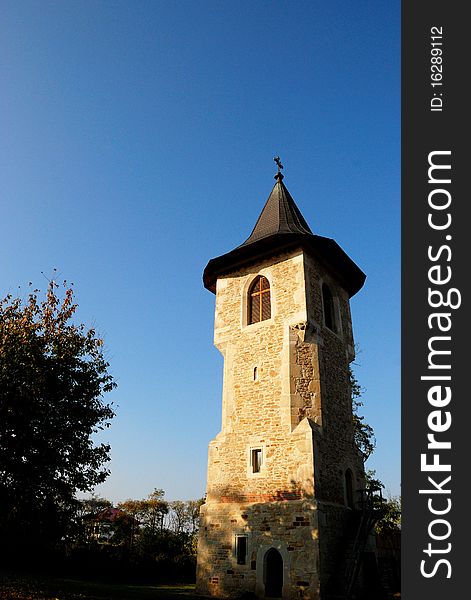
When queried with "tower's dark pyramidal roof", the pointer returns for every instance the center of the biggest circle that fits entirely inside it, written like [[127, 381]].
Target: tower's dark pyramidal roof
[[279, 215], [280, 228]]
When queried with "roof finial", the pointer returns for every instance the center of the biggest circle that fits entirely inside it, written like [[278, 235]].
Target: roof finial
[[279, 175], [278, 163]]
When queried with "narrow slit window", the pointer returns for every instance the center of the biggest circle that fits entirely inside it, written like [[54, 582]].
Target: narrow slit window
[[349, 488], [256, 459], [241, 549], [329, 308], [259, 300]]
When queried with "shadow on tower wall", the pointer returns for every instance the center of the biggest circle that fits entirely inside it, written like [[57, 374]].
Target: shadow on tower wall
[[314, 540]]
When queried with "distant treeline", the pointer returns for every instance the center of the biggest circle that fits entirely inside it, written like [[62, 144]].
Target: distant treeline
[[151, 539]]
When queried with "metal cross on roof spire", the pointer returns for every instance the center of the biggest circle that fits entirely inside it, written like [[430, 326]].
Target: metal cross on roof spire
[[278, 163]]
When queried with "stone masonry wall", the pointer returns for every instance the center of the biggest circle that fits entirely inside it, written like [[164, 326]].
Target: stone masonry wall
[[335, 450], [286, 392], [257, 409], [290, 526]]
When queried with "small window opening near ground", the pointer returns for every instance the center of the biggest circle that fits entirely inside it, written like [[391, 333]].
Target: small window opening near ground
[[259, 300], [256, 459], [241, 549]]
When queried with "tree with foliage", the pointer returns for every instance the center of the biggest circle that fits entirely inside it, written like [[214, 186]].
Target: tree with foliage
[[149, 512], [390, 507], [363, 433], [164, 543], [193, 507], [92, 506], [155, 509], [53, 375], [365, 441], [184, 516], [391, 520]]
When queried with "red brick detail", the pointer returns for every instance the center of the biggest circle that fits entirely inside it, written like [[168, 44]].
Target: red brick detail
[[260, 498]]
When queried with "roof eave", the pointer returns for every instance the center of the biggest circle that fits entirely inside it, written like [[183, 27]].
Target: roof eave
[[324, 249]]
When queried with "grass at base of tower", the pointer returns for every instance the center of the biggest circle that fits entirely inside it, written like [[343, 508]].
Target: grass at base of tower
[[16, 586]]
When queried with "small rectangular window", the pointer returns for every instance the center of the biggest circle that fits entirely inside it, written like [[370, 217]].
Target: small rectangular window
[[241, 549], [256, 459]]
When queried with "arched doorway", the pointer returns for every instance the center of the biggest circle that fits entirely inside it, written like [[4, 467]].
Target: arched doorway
[[273, 574]]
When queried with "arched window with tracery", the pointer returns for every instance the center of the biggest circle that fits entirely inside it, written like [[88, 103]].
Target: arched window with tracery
[[259, 300]]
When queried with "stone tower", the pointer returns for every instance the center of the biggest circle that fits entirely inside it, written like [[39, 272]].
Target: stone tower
[[284, 470]]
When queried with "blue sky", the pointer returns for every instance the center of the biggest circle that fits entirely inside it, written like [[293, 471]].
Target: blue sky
[[136, 143]]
